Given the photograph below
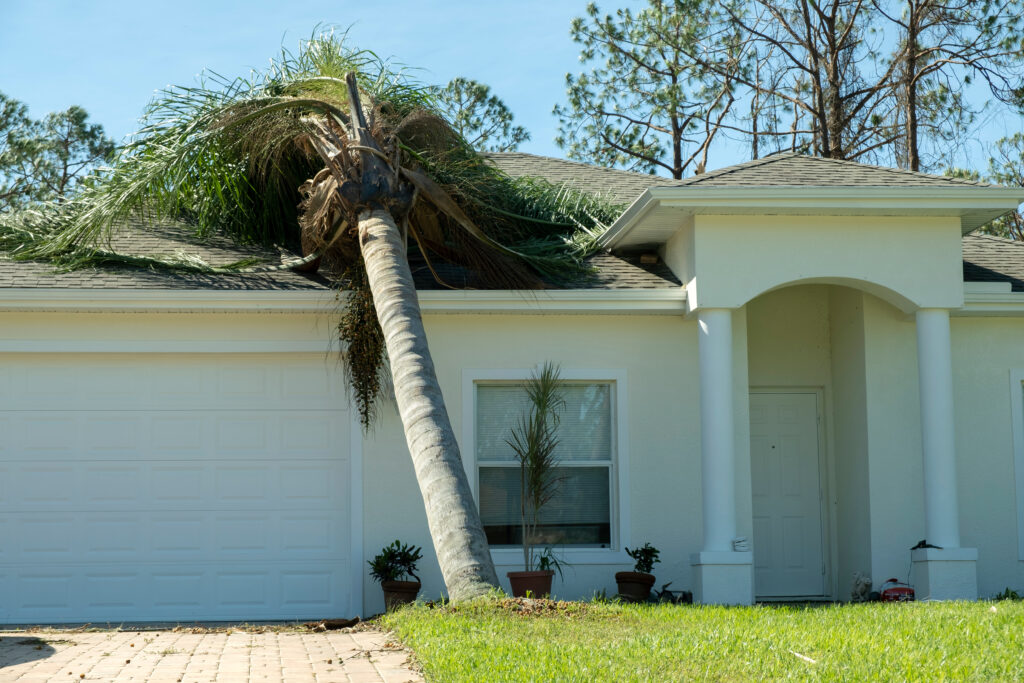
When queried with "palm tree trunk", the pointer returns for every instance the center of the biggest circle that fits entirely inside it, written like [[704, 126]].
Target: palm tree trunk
[[455, 526]]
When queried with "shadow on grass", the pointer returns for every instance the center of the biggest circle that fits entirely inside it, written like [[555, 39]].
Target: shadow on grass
[[21, 649]]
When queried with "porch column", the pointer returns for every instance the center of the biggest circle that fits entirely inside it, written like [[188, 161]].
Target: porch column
[[721, 575], [717, 426], [948, 573]]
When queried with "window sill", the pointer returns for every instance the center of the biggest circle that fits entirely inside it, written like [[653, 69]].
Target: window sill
[[508, 557]]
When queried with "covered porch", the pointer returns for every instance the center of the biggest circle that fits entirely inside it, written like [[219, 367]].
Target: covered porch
[[822, 454]]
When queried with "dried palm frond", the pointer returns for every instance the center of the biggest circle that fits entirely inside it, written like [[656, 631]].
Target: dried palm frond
[[274, 159]]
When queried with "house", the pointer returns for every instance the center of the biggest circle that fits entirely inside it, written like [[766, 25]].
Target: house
[[782, 373]]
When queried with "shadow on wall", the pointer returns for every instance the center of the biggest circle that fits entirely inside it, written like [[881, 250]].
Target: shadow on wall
[[19, 649]]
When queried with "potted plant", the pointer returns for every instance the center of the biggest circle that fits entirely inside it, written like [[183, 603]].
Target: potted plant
[[533, 440], [390, 567], [635, 586]]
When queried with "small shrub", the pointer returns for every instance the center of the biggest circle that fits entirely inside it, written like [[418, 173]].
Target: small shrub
[[548, 561], [645, 558], [396, 561], [1008, 594]]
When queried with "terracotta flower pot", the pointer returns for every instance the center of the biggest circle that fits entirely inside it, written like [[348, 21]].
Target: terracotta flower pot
[[398, 593], [537, 583], [634, 586]]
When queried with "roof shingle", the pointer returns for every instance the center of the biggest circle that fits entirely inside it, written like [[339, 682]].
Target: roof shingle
[[985, 258], [994, 259]]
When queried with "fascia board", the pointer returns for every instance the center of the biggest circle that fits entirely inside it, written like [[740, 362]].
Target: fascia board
[[630, 217], [166, 300], [588, 301], [699, 199], [969, 196], [991, 304], [669, 301]]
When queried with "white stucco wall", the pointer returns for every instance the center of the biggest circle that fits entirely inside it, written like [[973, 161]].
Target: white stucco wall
[[984, 352], [910, 261], [658, 357], [849, 442], [859, 349]]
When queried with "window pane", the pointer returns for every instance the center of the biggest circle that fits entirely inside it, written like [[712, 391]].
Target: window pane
[[584, 432], [578, 514]]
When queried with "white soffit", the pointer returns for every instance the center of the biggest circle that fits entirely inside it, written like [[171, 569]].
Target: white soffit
[[655, 216]]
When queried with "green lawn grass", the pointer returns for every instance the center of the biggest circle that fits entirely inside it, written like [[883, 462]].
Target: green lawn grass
[[485, 641]]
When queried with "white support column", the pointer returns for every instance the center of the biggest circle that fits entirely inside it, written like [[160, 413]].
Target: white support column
[[717, 426], [935, 370], [722, 576], [948, 573]]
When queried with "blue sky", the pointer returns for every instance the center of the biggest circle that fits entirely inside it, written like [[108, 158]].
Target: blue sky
[[110, 55]]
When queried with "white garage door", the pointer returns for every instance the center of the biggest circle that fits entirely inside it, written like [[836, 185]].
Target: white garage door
[[173, 487]]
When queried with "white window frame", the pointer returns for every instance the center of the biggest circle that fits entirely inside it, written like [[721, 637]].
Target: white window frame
[[1017, 420], [619, 510]]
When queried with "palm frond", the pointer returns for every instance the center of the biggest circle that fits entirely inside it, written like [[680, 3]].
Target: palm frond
[[273, 158]]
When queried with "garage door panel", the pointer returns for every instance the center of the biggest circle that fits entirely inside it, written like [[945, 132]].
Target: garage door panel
[[146, 381], [206, 537], [229, 591], [91, 435], [173, 487], [99, 486]]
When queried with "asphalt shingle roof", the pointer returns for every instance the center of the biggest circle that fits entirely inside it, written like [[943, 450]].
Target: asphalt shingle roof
[[161, 240], [612, 272], [778, 170], [986, 259], [621, 186], [801, 170], [994, 259]]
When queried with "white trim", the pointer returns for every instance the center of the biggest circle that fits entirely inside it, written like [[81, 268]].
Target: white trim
[[168, 300], [1017, 425], [669, 300], [990, 303], [646, 301], [355, 473], [700, 198], [163, 346], [621, 536]]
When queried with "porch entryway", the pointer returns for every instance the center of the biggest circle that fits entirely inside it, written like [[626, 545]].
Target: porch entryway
[[788, 494]]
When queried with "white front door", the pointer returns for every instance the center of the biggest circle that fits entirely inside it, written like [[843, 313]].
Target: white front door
[[786, 484]]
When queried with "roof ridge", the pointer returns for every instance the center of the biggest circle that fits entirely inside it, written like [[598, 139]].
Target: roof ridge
[[901, 171], [584, 164], [996, 238], [753, 163]]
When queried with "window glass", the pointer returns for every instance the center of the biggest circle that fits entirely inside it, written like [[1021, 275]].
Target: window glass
[[580, 511]]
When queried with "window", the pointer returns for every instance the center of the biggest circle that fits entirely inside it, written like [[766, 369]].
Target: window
[[581, 512]]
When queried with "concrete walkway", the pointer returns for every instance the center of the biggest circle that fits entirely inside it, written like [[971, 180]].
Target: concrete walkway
[[169, 657]]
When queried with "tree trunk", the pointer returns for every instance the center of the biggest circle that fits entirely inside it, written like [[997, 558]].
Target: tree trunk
[[455, 527], [910, 73]]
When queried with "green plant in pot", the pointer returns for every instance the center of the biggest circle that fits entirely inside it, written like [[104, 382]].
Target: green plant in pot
[[534, 440], [635, 586], [390, 567]]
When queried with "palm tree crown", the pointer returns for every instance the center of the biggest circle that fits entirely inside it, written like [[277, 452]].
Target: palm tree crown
[[334, 153]]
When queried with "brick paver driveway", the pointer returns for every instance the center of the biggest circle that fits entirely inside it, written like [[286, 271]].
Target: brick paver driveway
[[172, 656]]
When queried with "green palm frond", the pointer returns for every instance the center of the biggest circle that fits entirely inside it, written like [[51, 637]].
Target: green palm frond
[[272, 158]]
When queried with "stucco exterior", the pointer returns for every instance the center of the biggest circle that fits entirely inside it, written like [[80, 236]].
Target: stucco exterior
[[911, 382], [858, 350]]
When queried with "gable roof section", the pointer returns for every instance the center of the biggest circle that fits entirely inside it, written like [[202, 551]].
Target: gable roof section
[[621, 186], [790, 169], [797, 184], [994, 259]]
